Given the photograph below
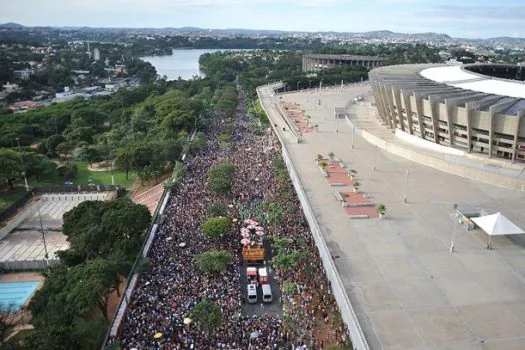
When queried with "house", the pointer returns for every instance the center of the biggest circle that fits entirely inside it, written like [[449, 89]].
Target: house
[[24, 106], [24, 73], [9, 88]]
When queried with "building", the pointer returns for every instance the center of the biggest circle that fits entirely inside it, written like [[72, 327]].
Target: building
[[24, 106], [476, 108], [9, 88], [315, 63], [96, 54], [24, 73]]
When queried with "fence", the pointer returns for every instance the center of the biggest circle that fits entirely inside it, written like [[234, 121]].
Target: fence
[[134, 275], [13, 208], [347, 311], [20, 203], [28, 265]]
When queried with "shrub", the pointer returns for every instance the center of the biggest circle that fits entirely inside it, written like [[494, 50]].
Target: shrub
[[213, 261], [220, 177], [216, 227], [207, 314], [216, 209], [68, 170]]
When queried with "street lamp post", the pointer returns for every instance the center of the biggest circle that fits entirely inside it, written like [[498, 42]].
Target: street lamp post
[[406, 187], [455, 218], [22, 163], [374, 163], [43, 233]]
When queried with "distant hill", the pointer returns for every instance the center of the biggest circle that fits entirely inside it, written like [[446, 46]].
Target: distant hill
[[370, 35], [11, 26]]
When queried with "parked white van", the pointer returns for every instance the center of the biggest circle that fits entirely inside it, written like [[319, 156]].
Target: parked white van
[[267, 293], [252, 293]]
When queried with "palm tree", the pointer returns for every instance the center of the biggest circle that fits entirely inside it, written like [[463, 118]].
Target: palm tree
[[356, 186], [331, 155], [319, 157]]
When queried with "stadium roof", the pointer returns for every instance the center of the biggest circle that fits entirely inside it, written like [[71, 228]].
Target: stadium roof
[[458, 77], [455, 85]]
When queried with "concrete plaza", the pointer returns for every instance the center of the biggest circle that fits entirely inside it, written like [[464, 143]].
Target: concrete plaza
[[408, 291], [22, 247]]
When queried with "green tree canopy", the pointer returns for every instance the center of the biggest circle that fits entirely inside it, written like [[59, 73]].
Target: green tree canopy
[[10, 166], [207, 314], [213, 261], [216, 227], [101, 229], [220, 177]]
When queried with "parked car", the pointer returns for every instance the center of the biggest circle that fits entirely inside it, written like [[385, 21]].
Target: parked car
[[267, 293], [252, 293]]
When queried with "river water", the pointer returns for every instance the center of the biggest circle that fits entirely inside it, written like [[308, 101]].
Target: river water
[[181, 63]]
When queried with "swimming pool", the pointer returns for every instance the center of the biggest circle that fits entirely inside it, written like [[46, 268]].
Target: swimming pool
[[16, 293]]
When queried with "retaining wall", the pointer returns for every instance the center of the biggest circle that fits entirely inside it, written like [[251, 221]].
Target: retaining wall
[[345, 307]]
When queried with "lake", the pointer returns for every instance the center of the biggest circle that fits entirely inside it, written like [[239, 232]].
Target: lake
[[181, 63]]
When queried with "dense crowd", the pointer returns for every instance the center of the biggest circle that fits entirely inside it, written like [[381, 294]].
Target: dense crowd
[[173, 284]]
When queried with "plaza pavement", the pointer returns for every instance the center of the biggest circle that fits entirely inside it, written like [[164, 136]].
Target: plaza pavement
[[408, 291]]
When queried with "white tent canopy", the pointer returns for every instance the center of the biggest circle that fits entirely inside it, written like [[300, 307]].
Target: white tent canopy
[[497, 225]]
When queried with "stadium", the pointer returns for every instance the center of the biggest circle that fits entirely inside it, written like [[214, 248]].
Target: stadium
[[477, 109]]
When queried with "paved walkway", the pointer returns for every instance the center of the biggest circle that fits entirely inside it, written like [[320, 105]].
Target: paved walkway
[[409, 292]]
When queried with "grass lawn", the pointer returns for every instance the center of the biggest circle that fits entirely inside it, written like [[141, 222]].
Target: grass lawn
[[11, 196], [86, 176]]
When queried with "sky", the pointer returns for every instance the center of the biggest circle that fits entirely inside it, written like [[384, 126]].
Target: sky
[[465, 18]]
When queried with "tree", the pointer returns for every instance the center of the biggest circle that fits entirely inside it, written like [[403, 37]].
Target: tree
[[92, 285], [285, 261], [220, 177], [90, 154], [8, 318], [51, 143], [213, 261], [104, 229], [38, 165], [216, 227], [67, 170], [275, 214], [10, 166], [59, 311], [331, 155], [207, 314], [124, 159], [64, 149], [216, 209]]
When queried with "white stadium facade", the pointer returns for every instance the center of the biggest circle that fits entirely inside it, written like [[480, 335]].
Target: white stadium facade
[[477, 108]]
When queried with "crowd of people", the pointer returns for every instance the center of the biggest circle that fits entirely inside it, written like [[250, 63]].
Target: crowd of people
[[173, 284]]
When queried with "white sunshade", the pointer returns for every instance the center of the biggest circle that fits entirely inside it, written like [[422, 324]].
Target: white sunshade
[[497, 224]]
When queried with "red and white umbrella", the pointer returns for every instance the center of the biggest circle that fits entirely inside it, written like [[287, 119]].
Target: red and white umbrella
[[245, 241], [245, 234], [244, 230]]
